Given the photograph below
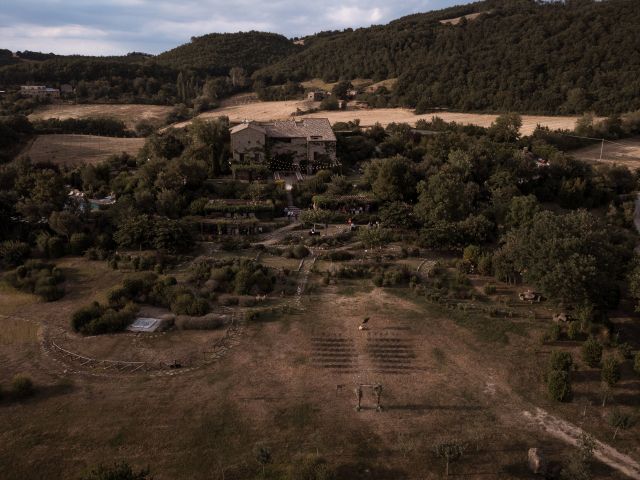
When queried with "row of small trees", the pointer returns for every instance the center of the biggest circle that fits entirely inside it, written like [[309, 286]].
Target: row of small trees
[[561, 364]]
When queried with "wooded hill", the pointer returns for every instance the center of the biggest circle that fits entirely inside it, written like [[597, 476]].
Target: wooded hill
[[142, 78], [517, 55], [217, 53], [520, 55]]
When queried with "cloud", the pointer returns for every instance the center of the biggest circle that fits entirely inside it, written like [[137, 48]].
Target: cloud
[[101, 27], [350, 16], [63, 39]]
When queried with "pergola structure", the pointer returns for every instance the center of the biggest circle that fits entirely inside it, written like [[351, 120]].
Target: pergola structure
[[377, 390]]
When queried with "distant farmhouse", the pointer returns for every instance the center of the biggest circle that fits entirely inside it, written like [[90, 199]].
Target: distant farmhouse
[[39, 91], [317, 95], [306, 145]]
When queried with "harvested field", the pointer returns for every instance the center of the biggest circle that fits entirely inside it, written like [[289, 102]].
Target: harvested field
[[264, 111], [622, 152], [74, 150], [129, 114]]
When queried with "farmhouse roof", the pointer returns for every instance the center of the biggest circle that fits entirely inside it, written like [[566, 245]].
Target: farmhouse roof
[[313, 129], [310, 128], [246, 125]]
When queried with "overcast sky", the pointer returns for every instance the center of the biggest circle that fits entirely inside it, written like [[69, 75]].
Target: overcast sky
[[108, 27]]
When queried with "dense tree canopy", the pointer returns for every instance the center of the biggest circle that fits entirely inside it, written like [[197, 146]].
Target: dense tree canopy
[[572, 257], [520, 55]]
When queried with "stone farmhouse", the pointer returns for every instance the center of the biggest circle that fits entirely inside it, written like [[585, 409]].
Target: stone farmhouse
[[39, 91], [305, 145]]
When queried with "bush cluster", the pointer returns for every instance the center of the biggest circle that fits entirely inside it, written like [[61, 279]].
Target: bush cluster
[[393, 276], [13, 253], [39, 278], [592, 352], [240, 276], [297, 251], [559, 376], [97, 319], [122, 304], [337, 256]]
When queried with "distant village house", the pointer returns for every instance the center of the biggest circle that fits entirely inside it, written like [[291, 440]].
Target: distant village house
[[317, 96], [39, 91], [306, 145]]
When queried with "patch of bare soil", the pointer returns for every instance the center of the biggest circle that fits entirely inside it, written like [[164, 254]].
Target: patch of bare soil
[[621, 152], [457, 20]]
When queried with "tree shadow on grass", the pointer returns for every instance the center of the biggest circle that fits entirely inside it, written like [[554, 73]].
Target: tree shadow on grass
[[40, 394]]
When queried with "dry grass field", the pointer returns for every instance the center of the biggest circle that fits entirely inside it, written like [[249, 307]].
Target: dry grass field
[[289, 386], [622, 152], [129, 114], [265, 111], [72, 150], [457, 20]]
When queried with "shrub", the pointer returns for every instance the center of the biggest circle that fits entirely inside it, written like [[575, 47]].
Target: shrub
[[485, 264], [560, 361], [574, 331], [300, 252], [559, 385], [188, 304], [619, 419], [636, 363], [490, 289], [229, 301], [592, 352], [338, 256], [79, 243], [471, 254], [207, 322], [395, 276], [97, 320], [50, 246], [626, 351], [22, 387], [13, 253], [553, 333], [610, 371], [39, 278]]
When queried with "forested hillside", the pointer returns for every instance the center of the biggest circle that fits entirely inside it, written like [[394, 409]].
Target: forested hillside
[[217, 53], [520, 55], [200, 68]]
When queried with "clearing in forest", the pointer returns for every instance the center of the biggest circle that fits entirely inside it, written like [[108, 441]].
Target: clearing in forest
[[129, 114], [74, 150], [622, 152]]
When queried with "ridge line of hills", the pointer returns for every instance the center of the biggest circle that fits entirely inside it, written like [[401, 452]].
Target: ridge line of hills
[[516, 55]]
